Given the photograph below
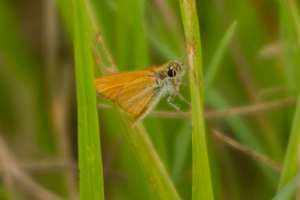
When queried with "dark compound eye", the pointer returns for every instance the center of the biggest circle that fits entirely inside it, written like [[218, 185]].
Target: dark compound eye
[[171, 72]]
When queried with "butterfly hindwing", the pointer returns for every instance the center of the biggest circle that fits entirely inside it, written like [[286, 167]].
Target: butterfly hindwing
[[136, 97]]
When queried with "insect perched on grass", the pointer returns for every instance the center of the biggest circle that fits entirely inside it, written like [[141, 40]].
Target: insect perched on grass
[[137, 92]]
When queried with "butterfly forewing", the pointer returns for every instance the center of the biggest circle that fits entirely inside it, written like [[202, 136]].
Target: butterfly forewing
[[109, 86]]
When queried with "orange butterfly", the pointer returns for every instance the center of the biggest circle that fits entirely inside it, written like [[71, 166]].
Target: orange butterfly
[[137, 92]]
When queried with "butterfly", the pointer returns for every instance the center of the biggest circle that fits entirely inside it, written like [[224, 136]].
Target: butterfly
[[137, 92]]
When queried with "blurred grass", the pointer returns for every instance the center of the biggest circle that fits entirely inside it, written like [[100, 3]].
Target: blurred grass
[[260, 64], [212, 70], [291, 56]]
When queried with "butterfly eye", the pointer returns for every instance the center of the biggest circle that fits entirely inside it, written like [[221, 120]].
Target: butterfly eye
[[171, 72]]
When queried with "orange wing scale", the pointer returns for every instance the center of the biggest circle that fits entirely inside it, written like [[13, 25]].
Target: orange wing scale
[[136, 97], [109, 86], [132, 91]]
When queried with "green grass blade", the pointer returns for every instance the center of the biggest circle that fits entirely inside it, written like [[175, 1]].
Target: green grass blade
[[290, 50], [295, 14], [214, 65], [151, 163], [287, 190], [290, 34], [290, 165], [202, 185], [90, 165], [128, 28]]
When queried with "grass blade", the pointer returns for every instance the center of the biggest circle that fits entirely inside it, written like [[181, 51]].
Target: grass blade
[[290, 55], [290, 165], [151, 163], [202, 185], [91, 184], [213, 67], [287, 190]]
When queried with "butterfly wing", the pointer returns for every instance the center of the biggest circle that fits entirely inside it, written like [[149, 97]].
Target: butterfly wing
[[136, 92], [139, 96], [110, 85]]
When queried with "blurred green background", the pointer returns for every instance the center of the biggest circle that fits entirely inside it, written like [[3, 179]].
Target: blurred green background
[[38, 113]]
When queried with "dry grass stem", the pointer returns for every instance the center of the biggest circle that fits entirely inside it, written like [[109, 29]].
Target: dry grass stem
[[248, 151], [258, 107], [98, 58]]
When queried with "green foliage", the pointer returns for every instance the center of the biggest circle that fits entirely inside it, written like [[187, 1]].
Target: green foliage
[[252, 63]]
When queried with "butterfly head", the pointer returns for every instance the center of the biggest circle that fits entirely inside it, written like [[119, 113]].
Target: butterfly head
[[175, 70]]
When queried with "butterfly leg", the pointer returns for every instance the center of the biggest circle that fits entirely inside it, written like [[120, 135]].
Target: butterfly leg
[[171, 104], [180, 96], [177, 107]]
